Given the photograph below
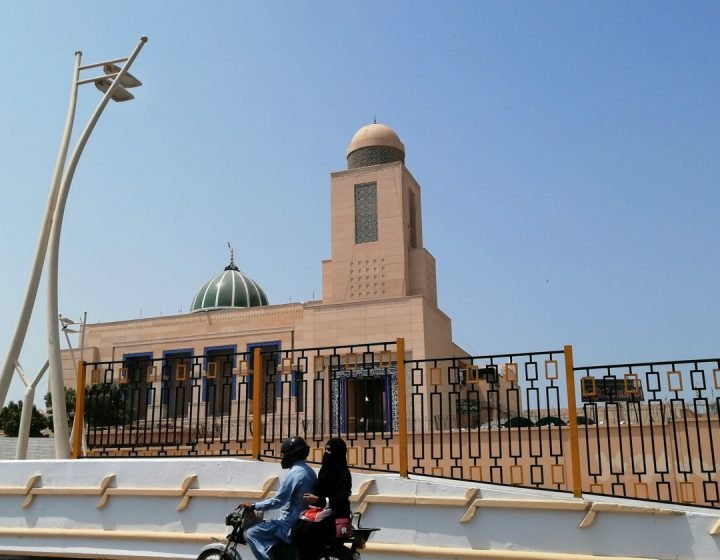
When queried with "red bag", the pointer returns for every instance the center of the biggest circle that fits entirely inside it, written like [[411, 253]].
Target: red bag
[[343, 528], [315, 514]]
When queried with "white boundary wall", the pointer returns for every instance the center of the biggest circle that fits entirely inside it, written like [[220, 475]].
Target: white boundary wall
[[50, 508]]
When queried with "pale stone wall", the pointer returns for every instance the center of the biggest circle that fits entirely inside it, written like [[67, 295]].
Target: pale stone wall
[[422, 275], [171, 508], [195, 331], [362, 271], [426, 330], [396, 264]]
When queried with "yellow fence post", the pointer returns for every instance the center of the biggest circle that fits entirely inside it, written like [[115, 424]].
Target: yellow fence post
[[572, 415], [402, 407], [79, 411], [257, 405]]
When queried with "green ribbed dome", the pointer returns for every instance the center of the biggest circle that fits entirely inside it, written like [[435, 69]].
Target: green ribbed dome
[[230, 288]]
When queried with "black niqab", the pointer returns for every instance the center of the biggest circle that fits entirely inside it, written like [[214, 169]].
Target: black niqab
[[336, 459]]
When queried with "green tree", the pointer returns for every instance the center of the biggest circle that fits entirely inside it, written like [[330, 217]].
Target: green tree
[[105, 405], [69, 406], [10, 420]]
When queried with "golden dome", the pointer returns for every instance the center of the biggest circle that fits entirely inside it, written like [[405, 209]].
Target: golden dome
[[375, 135]]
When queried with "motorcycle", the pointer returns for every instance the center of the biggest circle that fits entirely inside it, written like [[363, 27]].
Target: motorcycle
[[242, 518]]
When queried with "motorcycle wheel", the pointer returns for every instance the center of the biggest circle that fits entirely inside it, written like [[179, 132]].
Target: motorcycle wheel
[[338, 553], [211, 555]]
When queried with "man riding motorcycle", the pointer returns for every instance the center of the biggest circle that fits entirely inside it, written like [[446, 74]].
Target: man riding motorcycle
[[289, 498]]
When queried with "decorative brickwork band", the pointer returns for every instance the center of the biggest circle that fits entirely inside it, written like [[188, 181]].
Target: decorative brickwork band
[[374, 155]]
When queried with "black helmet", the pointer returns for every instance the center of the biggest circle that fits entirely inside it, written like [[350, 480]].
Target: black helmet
[[292, 450]]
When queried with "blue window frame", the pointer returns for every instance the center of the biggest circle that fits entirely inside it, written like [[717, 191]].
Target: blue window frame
[[167, 355], [276, 345], [228, 350], [142, 380]]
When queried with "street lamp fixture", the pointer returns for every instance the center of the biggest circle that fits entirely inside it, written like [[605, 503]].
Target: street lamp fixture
[[65, 321], [127, 81], [116, 78], [112, 71]]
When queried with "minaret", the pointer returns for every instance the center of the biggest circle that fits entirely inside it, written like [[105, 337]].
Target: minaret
[[377, 243]]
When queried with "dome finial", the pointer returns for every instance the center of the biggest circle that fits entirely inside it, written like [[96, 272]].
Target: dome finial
[[232, 265]]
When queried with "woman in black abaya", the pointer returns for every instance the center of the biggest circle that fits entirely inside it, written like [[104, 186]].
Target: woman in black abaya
[[333, 489]]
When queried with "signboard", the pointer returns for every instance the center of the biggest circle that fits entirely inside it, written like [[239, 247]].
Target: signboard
[[361, 372], [467, 406], [627, 389]]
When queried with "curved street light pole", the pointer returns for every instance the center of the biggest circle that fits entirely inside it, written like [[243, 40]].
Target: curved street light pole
[[13, 355], [112, 85], [57, 386]]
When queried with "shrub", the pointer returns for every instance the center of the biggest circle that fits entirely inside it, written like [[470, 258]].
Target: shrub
[[105, 405], [551, 421], [518, 422]]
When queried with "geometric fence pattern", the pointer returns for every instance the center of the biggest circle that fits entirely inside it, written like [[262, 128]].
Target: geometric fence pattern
[[185, 405], [466, 419], [142, 403], [636, 430], [654, 430]]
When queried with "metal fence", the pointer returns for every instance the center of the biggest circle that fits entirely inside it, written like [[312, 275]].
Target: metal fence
[[490, 418], [186, 405], [651, 430], [175, 405], [345, 391], [527, 419]]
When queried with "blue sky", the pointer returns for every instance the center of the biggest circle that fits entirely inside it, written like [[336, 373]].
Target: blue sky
[[567, 152]]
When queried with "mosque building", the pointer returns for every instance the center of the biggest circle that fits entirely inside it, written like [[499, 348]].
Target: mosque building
[[378, 285]]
